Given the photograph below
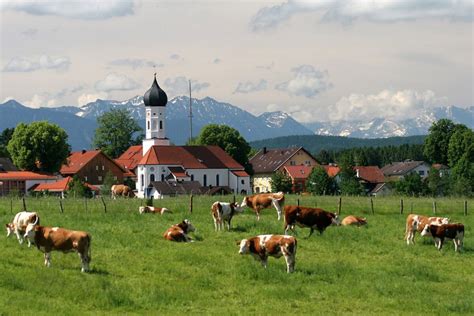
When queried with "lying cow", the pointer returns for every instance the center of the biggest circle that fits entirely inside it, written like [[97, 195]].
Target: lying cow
[[314, 218], [19, 224], [48, 239], [262, 246], [258, 202], [449, 231], [153, 210], [223, 212], [418, 222], [354, 220], [179, 232], [121, 190]]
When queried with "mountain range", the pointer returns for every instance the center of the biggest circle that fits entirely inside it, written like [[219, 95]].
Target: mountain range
[[81, 122]]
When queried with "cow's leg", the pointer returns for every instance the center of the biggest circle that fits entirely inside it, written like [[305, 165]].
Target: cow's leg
[[455, 241], [277, 207], [440, 243], [257, 212], [47, 259], [215, 223], [310, 232], [84, 262], [264, 261], [290, 262], [19, 236]]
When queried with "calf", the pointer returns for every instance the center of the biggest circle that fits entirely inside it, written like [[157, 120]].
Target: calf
[[179, 232], [262, 246], [48, 239], [449, 231], [314, 218], [223, 212], [153, 210], [19, 224], [354, 220], [418, 222], [258, 202]]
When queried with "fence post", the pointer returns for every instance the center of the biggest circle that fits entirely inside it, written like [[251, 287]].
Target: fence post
[[11, 206], [339, 206], [151, 200], [434, 207], [61, 206], [401, 206], [372, 206], [298, 201], [24, 203], [191, 204], [465, 207], [103, 202]]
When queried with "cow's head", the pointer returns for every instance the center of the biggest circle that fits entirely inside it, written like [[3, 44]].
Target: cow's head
[[244, 246], [10, 227], [426, 231], [335, 220], [444, 221], [237, 208], [245, 202], [142, 209], [189, 227]]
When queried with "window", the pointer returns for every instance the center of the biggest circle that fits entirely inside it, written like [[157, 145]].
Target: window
[[204, 180], [152, 177], [148, 124], [242, 181], [103, 168], [99, 178], [142, 181], [292, 163], [161, 124], [85, 178], [96, 167], [192, 177], [162, 177], [308, 163], [257, 189], [421, 172], [217, 180]]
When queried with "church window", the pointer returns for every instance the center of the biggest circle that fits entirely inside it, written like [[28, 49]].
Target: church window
[[148, 124], [204, 180], [217, 180], [152, 177], [161, 124]]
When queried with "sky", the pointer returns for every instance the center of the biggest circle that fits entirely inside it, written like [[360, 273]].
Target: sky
[[316, 60]]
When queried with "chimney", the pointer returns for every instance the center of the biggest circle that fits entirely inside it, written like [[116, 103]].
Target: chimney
[[264, 150]]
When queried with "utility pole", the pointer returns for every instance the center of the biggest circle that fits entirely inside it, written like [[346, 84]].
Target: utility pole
[[190, 114]]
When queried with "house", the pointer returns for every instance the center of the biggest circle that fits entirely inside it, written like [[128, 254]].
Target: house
[[162, 169], [442, 169], [7, 165], [332, 170], [298, 175], [268, 161], [398, 170], [161, 189], [381, 189], [60, 187], [21, 182], [371, 177], [92, 166]]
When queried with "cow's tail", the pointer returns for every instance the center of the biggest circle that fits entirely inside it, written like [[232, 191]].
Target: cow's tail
[[89, 251], [280, 197]]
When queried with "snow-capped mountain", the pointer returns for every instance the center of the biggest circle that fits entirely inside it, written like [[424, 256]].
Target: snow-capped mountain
[[283, 121]]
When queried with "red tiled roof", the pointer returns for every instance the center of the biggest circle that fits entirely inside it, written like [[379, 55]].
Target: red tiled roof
[[130, 158], [439, 166], [240, 173], [332, 171], [92, 187], [77, 160], [190, 157], [298, 172], [178, 172], [58, 186], [25, 175], [269, 160], [371, 174]]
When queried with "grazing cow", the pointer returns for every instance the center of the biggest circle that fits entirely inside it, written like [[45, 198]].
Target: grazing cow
[[262, 246], [449, 231], [354, 220], [258, 202], [153, 210], [19, 224], [179, 232], [223, 212], [314, 218], [121, 190], [48, 239], [418, 222]]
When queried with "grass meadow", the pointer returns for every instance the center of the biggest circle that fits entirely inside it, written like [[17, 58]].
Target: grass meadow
[[347, 270]]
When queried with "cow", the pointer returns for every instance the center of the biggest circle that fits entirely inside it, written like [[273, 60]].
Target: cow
[[121, 190], [179, 232], [258, 202], [449, 231], [223, 212], [418, 222], [19, 224], [49, 239], [314, 218], [354, 220], [153, 210], [262, 246]]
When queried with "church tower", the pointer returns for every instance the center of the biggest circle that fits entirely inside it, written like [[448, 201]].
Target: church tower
[[155, 100]]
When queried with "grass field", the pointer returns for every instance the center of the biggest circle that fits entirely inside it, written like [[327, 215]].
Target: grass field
[[134, 270]]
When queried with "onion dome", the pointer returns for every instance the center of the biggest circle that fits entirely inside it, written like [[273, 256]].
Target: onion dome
[[155, 96]]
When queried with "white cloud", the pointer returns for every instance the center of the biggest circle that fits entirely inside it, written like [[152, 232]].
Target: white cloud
[[395, 105], [114, 81], [83, 9], [22, 64], [135, 63], [180, 86], [90, 97], [374, 11], [41, 100], [247, 87], [307, 82]]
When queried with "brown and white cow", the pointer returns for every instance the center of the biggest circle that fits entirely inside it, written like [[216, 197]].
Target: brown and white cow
[[121, 190], [49, 239], [354, 220], [179, 232], [223, 212], [449, 231], [418, 222], [262, 246], [258, 202], [19, 224], [314, 218], [153, 210]]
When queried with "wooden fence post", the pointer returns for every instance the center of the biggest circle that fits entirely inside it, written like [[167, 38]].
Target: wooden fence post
[[401, 206], [298, 201], [103, 202], [151, 200], [434, 207], [465, 207], [24, 203], [11, 206], [191, 204], [339, 206], [61, 209], [372, 206]]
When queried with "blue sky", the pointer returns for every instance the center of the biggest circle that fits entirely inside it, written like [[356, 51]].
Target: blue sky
[[317, 60]]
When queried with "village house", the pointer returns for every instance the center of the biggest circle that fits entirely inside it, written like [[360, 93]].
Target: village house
[[60, 187], [398, 170], [299, 175], [268, 161], [21, 182], [372, 179], [92, 166]]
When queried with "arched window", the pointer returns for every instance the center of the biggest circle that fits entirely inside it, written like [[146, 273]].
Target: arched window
[[204, 180], [192, 177], [142, 180], [162, 178], [217, 180], [148, 124], [152, 177], [161, 124]]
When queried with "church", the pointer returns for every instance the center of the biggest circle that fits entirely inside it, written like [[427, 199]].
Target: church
[[157, 162]]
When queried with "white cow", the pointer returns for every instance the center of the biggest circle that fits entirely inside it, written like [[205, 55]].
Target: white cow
[[19, 224], [223, 212]]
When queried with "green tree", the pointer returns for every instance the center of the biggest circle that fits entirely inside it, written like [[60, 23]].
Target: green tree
[[281, 182], [411, 184], [39, 146], [116, 132], [461, 143], [107, 184], [349, 184], [437, 185], [319, 182], [227, 138], [437, 142], [5, 137], [78, 189], [324, 157]]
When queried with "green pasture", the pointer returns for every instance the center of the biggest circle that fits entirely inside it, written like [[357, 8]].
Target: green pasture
[[347, 270]]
